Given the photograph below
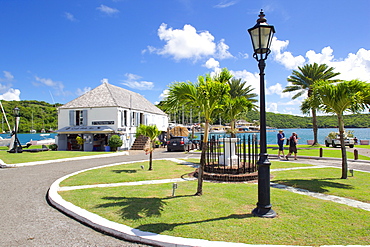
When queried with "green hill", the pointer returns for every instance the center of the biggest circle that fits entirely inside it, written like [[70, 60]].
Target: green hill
[[34, 114], [40, 115]]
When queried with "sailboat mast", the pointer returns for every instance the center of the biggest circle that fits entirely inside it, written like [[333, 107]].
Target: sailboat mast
[[2, 109]]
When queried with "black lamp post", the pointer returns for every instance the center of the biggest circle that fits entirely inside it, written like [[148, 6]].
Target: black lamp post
[[261, 35], [16, 117]]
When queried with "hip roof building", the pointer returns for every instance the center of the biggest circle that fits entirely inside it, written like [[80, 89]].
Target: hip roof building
[[104, 111]]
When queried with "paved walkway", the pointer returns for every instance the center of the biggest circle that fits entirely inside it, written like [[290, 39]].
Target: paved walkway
[[30, 221]]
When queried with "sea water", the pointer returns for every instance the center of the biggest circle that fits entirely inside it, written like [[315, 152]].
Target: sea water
[[304, 134], [271, 137], [24, 138]]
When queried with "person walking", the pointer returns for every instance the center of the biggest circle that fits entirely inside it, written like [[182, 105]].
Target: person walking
[[293, 140], [280, 141]]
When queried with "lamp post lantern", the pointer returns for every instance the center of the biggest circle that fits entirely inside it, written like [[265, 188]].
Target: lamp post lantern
[[261, 35], [16, 117]]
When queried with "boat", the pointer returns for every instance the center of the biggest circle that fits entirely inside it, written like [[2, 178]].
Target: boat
[[45, 141], [5, 142], [219, 129]]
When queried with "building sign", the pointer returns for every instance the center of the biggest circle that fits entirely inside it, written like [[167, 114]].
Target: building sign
[[102, 122]]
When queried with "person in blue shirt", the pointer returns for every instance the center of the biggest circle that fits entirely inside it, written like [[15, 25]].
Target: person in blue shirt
[[280, 141]]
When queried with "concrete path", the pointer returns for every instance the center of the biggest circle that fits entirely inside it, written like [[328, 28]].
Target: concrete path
[[26, 219]]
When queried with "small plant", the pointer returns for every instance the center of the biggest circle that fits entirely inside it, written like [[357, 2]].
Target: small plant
[[157, 143], [80, 140], [115, 142], [53, 147]]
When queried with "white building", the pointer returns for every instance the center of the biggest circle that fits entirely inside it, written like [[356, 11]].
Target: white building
[[102, 112]]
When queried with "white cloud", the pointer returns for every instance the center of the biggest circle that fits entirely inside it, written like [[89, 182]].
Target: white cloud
[[8, 77], [80, 91], [188, 43], [354, 66], [11, 94], [222, 50], [212, 64], [104, 80], [252, 79], [69, 16], [325, 56], [285, 58], [107, 10], [272, 107], [225, 4], [164, 94], [57, 85], [133, 81]]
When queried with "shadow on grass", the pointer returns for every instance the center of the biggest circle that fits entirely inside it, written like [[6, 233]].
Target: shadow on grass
[[161, 227], [125, 171], [315, 185], [137, 207]]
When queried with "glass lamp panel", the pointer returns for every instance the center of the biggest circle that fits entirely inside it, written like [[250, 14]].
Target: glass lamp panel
[[16, 112]]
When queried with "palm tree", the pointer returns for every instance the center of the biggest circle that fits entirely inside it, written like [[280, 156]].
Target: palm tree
[[240, 101], [240, 89], [347, 96], [235, 107], [304, 79], [208, 95], [152, 132]]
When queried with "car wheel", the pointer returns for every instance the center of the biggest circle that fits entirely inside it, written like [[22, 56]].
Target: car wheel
[[351, 146], [327, 144]]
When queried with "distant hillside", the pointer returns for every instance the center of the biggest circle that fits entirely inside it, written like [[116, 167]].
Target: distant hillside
[[284, 121], [34, 114], [40, 115]]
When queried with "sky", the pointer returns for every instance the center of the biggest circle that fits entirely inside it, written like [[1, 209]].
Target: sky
[[54, 51]]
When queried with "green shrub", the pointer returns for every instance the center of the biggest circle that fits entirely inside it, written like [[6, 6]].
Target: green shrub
[[114, 142], [53, 147]]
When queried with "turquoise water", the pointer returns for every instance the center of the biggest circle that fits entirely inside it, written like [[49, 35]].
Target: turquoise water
[[303, 134], [24, 138], [307, 134]]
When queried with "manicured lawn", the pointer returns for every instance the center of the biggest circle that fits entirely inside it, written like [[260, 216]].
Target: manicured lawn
[[306, 150], [327, 181], [162, 169], [12, 158], [223, 212]]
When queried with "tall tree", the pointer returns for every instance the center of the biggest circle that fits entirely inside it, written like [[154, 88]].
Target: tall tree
[[239, 102], [208, 94], [234, 108], [304, 79], [152, 132], [347, 96], [238, 88]]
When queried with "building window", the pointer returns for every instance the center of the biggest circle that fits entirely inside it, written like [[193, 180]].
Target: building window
[[125, 118], [78, 118]]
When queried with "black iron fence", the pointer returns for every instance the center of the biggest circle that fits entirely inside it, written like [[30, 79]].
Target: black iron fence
[[226, 155]]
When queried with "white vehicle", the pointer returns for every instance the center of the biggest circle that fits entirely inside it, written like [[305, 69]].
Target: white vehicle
[[333, 139]]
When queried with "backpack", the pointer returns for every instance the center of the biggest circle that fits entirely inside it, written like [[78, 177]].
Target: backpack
[[287, 141]]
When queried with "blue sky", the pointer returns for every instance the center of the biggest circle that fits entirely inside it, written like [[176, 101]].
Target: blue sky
[[54, 51]]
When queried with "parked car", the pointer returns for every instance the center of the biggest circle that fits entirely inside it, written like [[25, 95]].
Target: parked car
[[333, 139], [179, 143]]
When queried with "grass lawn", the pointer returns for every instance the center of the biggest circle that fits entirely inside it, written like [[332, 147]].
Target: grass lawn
[[307, 150], [223, 212], [162, 169], [12, 158], [327, 181]]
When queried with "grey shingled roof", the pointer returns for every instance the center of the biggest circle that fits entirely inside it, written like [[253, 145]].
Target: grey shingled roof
[[108, 95]]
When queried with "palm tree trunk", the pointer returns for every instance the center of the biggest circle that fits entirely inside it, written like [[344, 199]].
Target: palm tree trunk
[[151, 156], [233, 131], [343, 147], [314, 126], [202, 160]]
